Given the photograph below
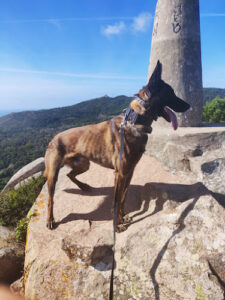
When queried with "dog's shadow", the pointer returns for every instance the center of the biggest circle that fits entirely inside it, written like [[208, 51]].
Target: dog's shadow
[[138, 199]]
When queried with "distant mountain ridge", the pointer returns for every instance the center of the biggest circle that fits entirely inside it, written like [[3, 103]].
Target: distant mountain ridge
[[82, 113], [6, 112], [210, 93]]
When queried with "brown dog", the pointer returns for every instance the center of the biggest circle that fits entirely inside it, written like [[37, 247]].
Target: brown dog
[[100, 143]]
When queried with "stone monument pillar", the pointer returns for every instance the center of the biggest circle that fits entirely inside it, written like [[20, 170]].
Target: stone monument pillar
[[176, 43]]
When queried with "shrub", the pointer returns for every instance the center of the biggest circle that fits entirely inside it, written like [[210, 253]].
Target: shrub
[[21, 229], [214, 112], [15, 204]]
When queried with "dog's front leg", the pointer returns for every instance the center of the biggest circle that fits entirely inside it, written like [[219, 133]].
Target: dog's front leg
[[121, 187]]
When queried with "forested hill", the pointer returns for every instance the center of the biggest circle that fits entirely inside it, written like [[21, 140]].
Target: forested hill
[[82, 113], [210, 93], [24, 136]]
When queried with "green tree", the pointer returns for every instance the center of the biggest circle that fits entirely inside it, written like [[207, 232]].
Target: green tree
[[214, 112]]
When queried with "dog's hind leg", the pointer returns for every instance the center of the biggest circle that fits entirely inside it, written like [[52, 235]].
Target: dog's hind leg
[[79, 165], [53, 164]]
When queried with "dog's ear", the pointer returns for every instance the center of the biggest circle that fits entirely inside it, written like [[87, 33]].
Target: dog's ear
[[153, 84], [156, 75], [137, 107]]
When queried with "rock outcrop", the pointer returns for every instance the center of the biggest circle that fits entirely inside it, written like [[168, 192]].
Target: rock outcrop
[[11, 256], [200, 151], [35, 168], [173, 249]]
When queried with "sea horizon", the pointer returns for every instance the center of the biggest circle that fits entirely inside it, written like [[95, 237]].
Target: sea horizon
[[4, 112]]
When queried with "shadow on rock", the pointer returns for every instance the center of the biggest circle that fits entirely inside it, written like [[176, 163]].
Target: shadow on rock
[[139, 197], [164, 192], [104, 211]]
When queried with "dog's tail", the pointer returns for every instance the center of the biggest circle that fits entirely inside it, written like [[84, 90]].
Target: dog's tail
[[52, 158], [53, 163], [45, 174]]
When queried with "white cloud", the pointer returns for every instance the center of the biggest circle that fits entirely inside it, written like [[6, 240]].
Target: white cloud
[[139, 23], [142, 22], [77, 75], [55, 22], [213, 15], [116, 29], [59, 20]]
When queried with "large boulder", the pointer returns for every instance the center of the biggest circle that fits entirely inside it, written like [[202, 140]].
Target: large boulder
[[200, 151], [35, 168], [11, 256], [173, 249]]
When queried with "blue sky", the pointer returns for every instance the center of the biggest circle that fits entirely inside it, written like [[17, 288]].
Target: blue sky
[[56, 53]]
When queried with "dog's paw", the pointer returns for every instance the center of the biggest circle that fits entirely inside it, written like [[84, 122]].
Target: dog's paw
[[50, 224], [121, 228], [127, 220], [124, 225]]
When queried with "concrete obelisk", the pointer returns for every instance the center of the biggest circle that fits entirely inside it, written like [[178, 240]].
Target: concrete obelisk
[[176, 43]]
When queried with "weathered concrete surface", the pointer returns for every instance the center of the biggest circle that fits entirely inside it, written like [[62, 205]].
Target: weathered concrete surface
[[177, 227], [11, 256], [176, 43], [199, 150], [32, 169]]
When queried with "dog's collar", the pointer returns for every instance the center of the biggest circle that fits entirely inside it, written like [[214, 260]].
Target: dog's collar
[[144, 103], [135, 118]]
